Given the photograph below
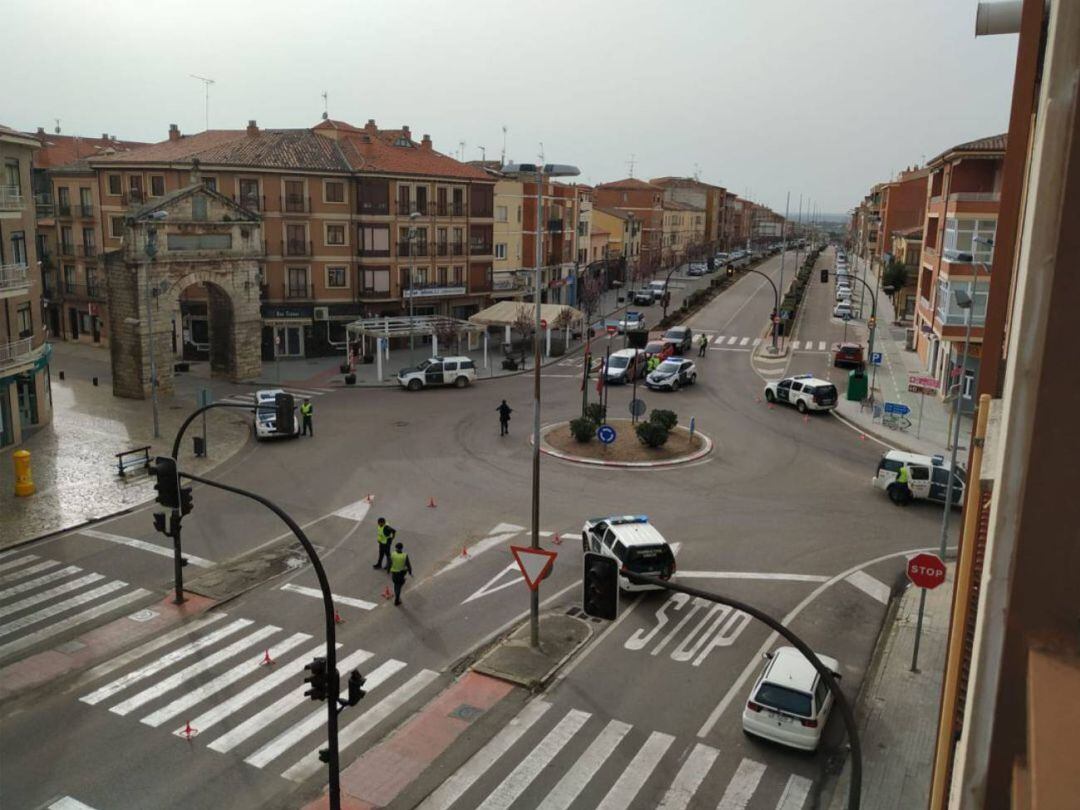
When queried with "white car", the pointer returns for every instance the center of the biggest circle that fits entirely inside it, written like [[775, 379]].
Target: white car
[[456, 371], [790, 702], [843, 293], [635, 543], [804, 391], [928, 478], [842, 309], [671, 374], [632, 322], [658, 289], [264, 422], [624, 366]]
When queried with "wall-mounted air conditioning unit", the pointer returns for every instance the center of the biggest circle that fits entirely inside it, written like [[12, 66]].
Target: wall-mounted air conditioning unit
[[322, 313]]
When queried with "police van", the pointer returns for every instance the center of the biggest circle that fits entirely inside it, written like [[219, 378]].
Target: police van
[[928, 478], [634, 543]]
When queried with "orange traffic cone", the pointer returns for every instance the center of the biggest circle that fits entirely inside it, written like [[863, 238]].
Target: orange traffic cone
[[556, 539], [464, 551], [369, 498], [338, 619], [190, 732], [771, 406], [862, 437], [806, 420], [431, 503], [267, 660], [387, 593]]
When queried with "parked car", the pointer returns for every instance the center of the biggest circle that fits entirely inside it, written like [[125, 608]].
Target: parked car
[[721, 258], [672, 374], [264, 423], [456, 371], [928, 478], [843, 310], [848, 355], [697, 269], [681, 338], [642, 297], [631, 322], [624, 366], [658, 348], [658, 289], [790, 702], [804, 391], [634, 543], [843, 293]]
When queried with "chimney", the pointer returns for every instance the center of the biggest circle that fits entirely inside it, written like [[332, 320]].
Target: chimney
[[104, 136], [405, 131], [425, 142], [370, 127], [174, 132], [252, 128]]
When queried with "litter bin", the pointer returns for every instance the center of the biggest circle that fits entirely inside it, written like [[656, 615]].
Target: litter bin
[[856, 385], [199, 445]]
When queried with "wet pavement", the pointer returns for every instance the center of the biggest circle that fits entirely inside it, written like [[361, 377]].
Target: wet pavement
[[74, 457]]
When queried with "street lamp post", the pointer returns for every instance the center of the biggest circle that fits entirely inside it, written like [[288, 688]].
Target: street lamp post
[[151, 253], [415, 215], [538, 172]]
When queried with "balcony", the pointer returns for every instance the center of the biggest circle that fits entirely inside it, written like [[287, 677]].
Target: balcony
[[406, 207], [434, 290], [457, 248], [89, 252], [15, 352], [296, 204], [451, 209], [43, 204], [298, 291], [296, 247], [975, 196], [442, 249], [555, 226], [252, 202], [67, 250], [86, 210], [479, 247], [11, 198], [418, 249], [379, 208], [13, 280], [63, 211]]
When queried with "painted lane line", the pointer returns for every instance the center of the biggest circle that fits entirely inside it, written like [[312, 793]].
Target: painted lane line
[[303, 392], [68, 803], [463, 778], [755, 661], [874, 588], [142, 545], [750, 575], [585, 767], [731, 340], [29, 585], [795, 792], [257, 722], [281, 673], [626, 787], [757, 342], [338, 599], [821, 345], [314, 721], [192, 671], [491, 587], [539, 758], [310, 764], [228, 677], [61, 607], [44, 566], [45, 596], [354, 511], [166, 661], [478, 548], [719, 340], [742, 785], [113, 664], [744, 341], [30, 639], [503, 528], [18, 562], [794, 345], [689, 778]]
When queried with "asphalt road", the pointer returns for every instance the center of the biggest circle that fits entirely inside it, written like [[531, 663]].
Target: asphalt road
[[781, 514]]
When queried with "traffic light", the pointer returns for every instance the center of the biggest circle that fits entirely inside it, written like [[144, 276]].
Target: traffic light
[[824, 274], [168, 481], [185, 500], [283, 414], [730, 270], [356, 691], [601, 586], [317, 679], [159, 523]]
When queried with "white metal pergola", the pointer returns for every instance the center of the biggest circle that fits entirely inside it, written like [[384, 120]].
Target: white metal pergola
[[381, 330]]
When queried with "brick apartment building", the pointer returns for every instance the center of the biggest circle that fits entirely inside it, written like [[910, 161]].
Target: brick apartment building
[[963, 195], [683, 232], [25, 394], [706, 196], [903, 206], [644, 201], [355, 221]]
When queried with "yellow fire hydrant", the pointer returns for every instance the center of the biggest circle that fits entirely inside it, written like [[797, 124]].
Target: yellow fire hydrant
[[24, 482]]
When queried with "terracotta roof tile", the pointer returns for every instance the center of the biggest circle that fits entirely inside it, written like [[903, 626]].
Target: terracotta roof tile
[[385, 151], [64, 150], [991, 144], [630, 183]]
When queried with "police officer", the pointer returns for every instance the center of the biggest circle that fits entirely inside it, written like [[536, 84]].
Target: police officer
[[704, 345], [399, 567], [654, 361], [901, 484], [306, 409], [384, 534]]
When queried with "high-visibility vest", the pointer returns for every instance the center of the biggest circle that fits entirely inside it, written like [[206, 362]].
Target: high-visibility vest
[[902, 476], [398, 561], [382, 535], [305, 409]]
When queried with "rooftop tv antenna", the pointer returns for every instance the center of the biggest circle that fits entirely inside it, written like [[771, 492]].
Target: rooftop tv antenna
[[461, 150], [483, 154], [697, 172], [57, 130], [206, 89], [630, 163], [504, 146], [325, 106]]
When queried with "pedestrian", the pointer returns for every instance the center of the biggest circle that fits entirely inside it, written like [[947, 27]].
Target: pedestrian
[[384, 534], [399, 567], [504, 418], [306, 409], [703, 345]]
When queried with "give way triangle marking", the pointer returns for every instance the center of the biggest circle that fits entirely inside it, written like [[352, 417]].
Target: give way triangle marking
[[535, 563]]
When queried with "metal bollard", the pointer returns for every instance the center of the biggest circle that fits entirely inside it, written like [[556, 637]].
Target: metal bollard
[[24, 482]]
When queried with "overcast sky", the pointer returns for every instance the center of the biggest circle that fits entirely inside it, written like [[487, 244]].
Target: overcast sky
[[820, 98]]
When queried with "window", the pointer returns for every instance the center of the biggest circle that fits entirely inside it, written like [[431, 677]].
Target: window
[[25, 320], [249, 193], [210, 183], [334, 191], [85, 200], [91, 283], [821, 694], [950, 313], [88, 241], [500, 250], [296, 240], [294, 195], [919, 473], [66, 242], [69, 278], [962, 240], [298, 282], [500, 213], [440, 276], [375, 240], [335, 234], [377, 280], [116, 227], [374, 196], [783, 699], [18, 247], [336, 277], [115, 187], [157, 185], [12, 176], [459, 276]]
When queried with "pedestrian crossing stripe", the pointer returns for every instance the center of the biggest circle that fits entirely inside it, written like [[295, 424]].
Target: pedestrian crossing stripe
[[620, 785]]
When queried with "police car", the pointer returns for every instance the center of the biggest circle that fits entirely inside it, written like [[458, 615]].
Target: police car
[[265, 420], [928, 478], [634, 543], [804, 391], [456, 371]]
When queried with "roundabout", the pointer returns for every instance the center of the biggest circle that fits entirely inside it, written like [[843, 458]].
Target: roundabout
[[623, 449]]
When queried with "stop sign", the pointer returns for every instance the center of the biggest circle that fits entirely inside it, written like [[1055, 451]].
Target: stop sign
[[926, 570], [543, 324]]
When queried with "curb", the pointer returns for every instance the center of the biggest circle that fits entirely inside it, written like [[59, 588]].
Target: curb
[[74, 527], [546, 449]]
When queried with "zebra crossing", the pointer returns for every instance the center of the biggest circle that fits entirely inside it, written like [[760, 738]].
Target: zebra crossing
[[299, 393], [41, 599], [556, 758], [746, 343], [237, 687]]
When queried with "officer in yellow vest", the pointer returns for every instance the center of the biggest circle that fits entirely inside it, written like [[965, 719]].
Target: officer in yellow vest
[[306, 410], [399, 567], [903, 484], [384, 534]]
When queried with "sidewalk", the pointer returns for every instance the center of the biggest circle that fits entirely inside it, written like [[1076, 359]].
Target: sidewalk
[[73, 457], [930, 417], [897, 711]]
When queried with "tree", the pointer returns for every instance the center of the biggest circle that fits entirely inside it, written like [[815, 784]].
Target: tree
[[447, 330], [895, 276], [590, 296], [525, 324]]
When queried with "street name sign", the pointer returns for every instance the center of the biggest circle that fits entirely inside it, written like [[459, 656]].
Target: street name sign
[[535, 563], [926, 570]]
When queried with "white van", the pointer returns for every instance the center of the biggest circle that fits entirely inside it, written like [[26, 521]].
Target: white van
[[456, 371], [624, 366]]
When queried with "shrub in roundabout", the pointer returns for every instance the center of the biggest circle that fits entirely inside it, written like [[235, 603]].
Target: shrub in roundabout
[[595, 413], [652, 434], [668, 419], [582, 429]]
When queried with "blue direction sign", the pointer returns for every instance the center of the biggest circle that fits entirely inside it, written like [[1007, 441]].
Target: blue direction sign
[[875, 358], [897, 407], [606, 434]]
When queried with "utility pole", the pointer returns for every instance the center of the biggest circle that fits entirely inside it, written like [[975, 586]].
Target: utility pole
[[783, 254]]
